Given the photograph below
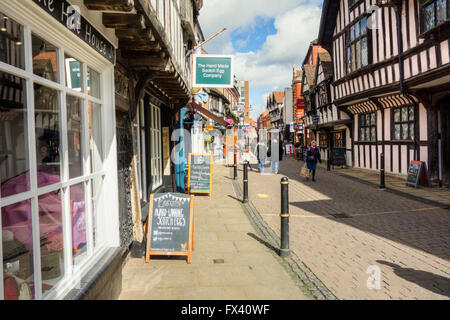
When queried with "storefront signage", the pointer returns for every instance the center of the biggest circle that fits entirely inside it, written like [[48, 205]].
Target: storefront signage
[[213, 71], [170, 225], [338, 157], [200, 168], [69, 16], [417, 174]]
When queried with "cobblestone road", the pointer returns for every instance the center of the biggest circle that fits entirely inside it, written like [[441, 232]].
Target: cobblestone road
[[408, 240]]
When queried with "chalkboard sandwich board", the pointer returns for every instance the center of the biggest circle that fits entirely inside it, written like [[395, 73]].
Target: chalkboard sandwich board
[[200, 169], [170, 229], [417, 174]]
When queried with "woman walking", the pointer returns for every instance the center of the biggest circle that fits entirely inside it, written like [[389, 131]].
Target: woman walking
[[312, 155]]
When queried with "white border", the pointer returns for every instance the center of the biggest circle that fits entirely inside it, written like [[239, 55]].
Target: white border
[[194, 71]]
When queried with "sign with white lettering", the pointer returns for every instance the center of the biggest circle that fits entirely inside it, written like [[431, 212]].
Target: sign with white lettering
[[213, 71], [170, 225], [200, 170], [69, 16]]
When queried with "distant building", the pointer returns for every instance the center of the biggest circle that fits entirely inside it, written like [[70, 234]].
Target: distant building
[[275, 103], [244, 91]]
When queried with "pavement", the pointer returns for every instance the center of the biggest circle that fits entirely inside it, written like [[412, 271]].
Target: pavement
[[230, 260], [362, 243]]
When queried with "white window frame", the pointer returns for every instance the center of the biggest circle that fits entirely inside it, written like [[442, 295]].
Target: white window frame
[[37, 21], [155, 144]]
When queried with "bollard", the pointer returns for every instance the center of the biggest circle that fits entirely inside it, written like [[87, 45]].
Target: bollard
[[284, 251], [235, 166], [245, 200], [382, 178]]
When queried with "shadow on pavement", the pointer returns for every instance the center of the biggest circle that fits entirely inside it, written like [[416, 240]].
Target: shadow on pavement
[[361, 206], [424, 279], [268, 245]]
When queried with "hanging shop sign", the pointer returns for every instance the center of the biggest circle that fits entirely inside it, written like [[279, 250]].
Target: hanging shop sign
[[200, 168], [417, 174], [170, 229], [69, 16], [213, 71]]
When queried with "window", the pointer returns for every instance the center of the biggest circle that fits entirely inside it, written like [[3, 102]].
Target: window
[[323, 96], [339, 140], [141, 149], [323, 140], [368, 127], [50, 169], [155, 136], [403, 123], [351, 3], [357, 45], [433, 13]]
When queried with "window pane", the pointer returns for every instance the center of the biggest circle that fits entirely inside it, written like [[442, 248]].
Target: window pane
[[363, 26], [353, 58], [373, 134], [411, 113], [95, 137], [352, 32], [397, 115], [405, 115], [361, 134], [17, 243], [349, 60], [14, 161], [93, 78], [367, 134], [411, 131], [44, 59], [364, 52], [73, 73], [357, 30], [397, 132], [52, 240], [368, 119], [428, 21], [405, 128], [374, 119], [358, 54], [47, 135], [362, 119], [441, 11], [11, 42], [78, 214], [74, 136]]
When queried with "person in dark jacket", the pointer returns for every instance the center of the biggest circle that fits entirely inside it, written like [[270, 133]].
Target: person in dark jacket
[[262, 154], [312, 155]]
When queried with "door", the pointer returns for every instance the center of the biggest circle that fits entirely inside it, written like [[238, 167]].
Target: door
[[444, 108]]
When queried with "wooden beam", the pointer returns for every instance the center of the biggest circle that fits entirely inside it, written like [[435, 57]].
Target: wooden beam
[[149, 62], [135, 35], [110, 5], [124, 21], [208, 114]]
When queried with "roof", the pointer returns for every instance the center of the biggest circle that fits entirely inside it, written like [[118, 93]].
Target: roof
[[279, 96], [310, 72], [330, 10]]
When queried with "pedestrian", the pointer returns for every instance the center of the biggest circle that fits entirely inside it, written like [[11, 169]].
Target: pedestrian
[[312, 155], [262, 154]]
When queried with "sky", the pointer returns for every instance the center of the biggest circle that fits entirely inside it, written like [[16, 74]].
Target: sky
[[266, 37]]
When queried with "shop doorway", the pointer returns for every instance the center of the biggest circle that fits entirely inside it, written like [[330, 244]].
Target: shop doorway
[[444, 109]]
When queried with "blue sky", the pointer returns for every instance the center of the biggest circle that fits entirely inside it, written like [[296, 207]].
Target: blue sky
[[266, 37]]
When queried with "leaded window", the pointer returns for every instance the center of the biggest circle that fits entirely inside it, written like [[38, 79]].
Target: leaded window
[[357, 45], [433, 13], [368, 127], [403, 123]]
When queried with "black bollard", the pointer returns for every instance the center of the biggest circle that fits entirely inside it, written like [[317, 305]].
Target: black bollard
[[245, 200], [235, 166], [382, 178], [285, 251]]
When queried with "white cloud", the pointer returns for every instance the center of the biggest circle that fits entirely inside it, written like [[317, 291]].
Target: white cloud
[[296, 22]]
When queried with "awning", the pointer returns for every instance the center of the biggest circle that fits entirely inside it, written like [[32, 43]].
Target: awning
[[208, 114]]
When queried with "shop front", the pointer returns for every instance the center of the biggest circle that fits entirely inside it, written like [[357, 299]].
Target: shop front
[[58, 160]]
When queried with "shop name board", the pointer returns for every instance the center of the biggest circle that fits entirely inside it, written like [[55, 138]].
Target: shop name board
[[213, 71], [69, 16]]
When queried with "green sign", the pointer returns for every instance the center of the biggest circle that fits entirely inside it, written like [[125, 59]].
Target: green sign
[[75, 74], [213, 71]]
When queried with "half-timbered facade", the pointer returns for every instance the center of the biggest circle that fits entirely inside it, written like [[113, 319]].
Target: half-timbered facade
[[391, 63]]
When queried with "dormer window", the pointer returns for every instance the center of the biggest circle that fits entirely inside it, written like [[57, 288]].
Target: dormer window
[[433, 13]]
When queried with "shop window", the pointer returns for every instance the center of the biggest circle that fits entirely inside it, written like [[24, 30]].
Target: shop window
[[14, 157], [323, 140], [45, 57], [403, 123], [357, 45], [433, 13], [11, 42], [66, 184], [368, 127], [339, 140], [47, 135]]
